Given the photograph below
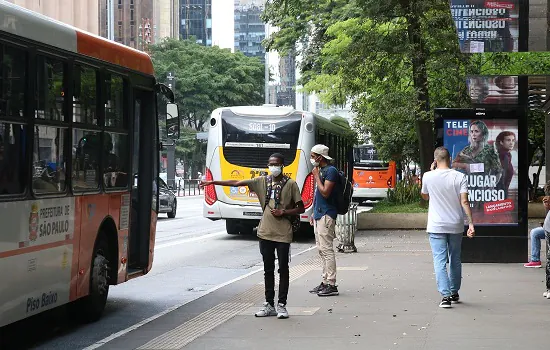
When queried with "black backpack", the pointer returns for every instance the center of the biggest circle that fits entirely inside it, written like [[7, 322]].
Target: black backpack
[[344, 192]]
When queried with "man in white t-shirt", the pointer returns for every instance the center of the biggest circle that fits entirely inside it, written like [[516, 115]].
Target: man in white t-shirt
[[447, 192]]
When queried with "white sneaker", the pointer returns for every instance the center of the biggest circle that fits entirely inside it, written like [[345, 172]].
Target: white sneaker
[[546, 294], [266, 310], [281, 311]]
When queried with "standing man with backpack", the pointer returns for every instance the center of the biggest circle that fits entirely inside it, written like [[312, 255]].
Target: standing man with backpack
[[324, 216], [281, 202]]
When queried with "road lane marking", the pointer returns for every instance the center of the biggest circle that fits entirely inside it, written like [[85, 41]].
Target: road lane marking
[[175, 307], [189, 240]]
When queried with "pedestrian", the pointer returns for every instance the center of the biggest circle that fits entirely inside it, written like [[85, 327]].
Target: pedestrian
[[324, 218], [447, 192], [536, 235], [546, 226], [275, 230]]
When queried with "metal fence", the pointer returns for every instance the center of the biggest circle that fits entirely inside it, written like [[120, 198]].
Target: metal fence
[[188, 187], [346, 226]]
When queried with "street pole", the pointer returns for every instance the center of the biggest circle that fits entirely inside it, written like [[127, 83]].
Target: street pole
[[171, 144], [266, 69], [110, 21]]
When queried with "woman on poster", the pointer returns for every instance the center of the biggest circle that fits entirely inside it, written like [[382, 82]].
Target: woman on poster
[[505, 143], [477, 152], [479, 160]]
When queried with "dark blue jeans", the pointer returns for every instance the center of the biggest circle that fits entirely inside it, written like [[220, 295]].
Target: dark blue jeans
[[267, 249]]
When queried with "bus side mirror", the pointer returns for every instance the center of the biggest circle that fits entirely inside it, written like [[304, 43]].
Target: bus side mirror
[[172, 121]]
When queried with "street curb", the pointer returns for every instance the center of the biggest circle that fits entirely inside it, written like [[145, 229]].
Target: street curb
[[417, 221], [385, 221]]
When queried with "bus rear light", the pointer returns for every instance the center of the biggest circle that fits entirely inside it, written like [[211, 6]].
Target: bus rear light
[[210, 190], [307, 190]]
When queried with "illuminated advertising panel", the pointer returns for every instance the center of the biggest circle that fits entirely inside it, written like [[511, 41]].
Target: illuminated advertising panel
[[487, 26], [486, 151]]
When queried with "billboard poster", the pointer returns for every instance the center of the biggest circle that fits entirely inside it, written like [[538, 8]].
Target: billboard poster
[[486, 26], [486, 151], [493, 90]]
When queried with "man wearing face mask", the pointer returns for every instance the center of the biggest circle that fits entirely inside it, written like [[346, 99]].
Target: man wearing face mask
[[275, 229], [324, 218]]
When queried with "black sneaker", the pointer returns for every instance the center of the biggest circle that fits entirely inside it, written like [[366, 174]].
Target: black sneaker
[[328, 291], [455, 298], [445, 302], [318, 288]]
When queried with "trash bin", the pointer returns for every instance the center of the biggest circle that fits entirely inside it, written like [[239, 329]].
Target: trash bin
[[346, 226]]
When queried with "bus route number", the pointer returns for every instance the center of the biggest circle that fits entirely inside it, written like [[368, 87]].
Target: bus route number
[[261, 127]]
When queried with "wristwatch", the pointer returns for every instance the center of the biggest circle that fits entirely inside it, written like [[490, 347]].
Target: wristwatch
[[284, 211]]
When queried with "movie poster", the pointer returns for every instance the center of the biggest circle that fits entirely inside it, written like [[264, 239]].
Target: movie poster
[[493, 90], [486, 26], [486, 151]]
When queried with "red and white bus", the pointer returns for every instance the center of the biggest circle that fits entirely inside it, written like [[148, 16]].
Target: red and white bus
[[79, 142]]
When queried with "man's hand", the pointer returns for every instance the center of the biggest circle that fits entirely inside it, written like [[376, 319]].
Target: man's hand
[[315, 171], [433, 166], [203, 184], [471, 231], [277, 212], [311, 220]]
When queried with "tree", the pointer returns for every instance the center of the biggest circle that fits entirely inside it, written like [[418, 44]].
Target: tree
[[396, 60], [206, 78]]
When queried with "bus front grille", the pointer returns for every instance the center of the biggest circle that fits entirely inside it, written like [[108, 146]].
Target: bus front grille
[[256, 157]]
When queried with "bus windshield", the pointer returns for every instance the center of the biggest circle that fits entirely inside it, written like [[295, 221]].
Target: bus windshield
[[367, 156], [264, 134], [260, 131]]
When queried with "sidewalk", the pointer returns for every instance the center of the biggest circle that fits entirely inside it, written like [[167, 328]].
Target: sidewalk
[[388, 300]]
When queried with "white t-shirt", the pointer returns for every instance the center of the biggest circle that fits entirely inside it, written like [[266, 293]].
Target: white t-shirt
[[445, 213]]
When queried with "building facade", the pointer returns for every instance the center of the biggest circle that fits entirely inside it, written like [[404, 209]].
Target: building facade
[[133, 22], [196, 21], [82, 14], [249, 28], [166, 19]]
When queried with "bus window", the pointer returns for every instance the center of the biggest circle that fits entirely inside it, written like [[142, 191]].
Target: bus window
[[12, 159], [86, 152], [12, 135], [115, 160], [114, 111], [49, 159], [266, 136], [85, 95], [12, 81], [50, 95]]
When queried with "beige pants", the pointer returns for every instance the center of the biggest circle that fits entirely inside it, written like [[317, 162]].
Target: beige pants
[[324, 237]]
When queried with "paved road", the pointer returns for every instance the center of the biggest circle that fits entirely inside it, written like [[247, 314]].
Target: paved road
[[192, 256]]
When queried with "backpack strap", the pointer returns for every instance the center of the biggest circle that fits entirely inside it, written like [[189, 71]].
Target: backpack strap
[[268, 188]]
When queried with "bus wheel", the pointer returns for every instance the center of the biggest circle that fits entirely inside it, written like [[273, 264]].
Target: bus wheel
[[232, 227], [90, 308]]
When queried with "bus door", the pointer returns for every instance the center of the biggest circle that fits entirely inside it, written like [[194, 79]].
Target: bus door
[[145, 184]]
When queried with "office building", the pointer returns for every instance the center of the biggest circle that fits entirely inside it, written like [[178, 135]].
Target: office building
[[249, 28], [166, 14], [196, 21], [132, 22]]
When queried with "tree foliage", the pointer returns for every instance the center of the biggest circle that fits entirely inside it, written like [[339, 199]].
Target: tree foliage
[[395, 60], [205, 78]]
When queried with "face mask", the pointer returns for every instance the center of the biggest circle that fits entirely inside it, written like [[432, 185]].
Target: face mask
[[275, 170], [314, 162]]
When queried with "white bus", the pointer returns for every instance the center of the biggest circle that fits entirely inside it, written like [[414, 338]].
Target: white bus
[[240, 141]]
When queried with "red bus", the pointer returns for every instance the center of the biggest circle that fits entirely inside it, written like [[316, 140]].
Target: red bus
[[79, 142], [372, 177]]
